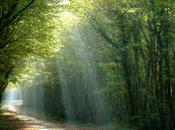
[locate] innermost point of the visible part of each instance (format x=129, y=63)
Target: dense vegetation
x=92, y=61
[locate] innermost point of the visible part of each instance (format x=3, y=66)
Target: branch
x=9, y=72
x=17, y=14
x=22, y=10
x=144, y=34
x=4, y=85
x=102, y=32
x=10, y=11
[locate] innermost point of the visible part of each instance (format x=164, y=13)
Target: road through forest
x=14, y=118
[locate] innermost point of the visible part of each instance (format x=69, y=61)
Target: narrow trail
x=13, y=118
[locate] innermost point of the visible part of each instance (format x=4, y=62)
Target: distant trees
x=142, y=35
x=70, y=83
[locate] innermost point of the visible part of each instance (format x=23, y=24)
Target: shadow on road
x=9, y=121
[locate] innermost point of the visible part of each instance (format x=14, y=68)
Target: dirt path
x=13, y=119
x=9, y=121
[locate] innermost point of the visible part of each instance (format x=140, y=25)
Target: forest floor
x=9, y=120
x=13, y=119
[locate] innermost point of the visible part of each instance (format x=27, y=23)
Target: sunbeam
x=87, y=64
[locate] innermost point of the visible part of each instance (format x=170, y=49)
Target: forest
x=102, y=64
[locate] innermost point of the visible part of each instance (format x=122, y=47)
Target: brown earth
x=10, y=120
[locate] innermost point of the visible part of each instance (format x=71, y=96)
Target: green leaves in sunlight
x=119, y=53
x=29, y=32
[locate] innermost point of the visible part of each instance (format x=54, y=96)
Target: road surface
x=30, y=122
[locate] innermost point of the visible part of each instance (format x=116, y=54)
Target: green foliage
x=30, y=33
x=142, y=35
x=128, y=43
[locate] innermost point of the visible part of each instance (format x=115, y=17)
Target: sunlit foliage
x=96, y=61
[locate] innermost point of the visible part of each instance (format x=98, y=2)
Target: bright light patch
x=66, y=14
x=64, y=2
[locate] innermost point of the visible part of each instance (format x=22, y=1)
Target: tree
x=10, y=12
x=26, y=30
x=142, y=38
